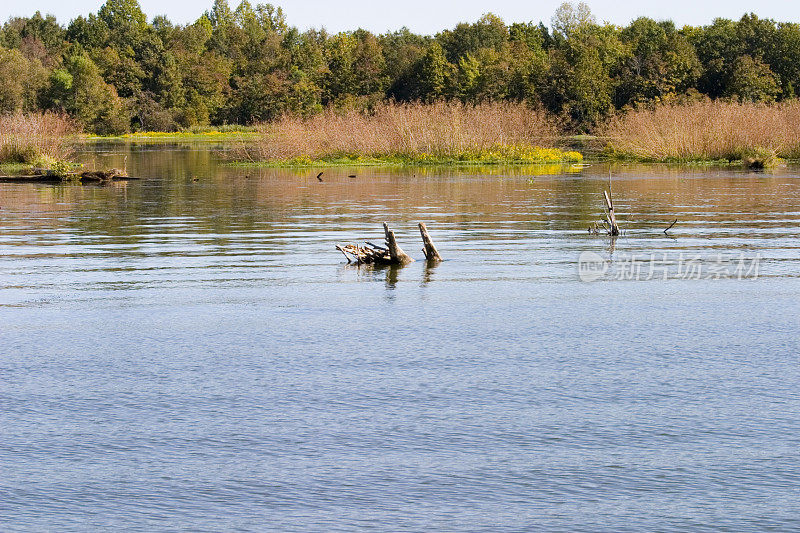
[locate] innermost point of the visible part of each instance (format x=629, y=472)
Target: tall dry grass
x=442, y=130
x=32, y=137
x=707, y=130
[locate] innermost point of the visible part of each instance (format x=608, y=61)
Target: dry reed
x=707, y=131
x=444, y=130
x=35, y=137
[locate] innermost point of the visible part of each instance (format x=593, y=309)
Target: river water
x=190, y=352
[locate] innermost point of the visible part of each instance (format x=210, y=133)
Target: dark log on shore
x=47, y=176
x=41, y=178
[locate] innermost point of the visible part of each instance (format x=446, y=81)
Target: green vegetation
x=115, y=71
x=178, y=136
x=495, y=155
x=12, y=168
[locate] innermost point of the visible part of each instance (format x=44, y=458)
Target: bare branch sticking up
x=395, y=252
x=612, y=220
x=429, y=249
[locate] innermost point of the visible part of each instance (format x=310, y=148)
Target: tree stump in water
x=391, y=254
x=430, y=251
x=398, y=256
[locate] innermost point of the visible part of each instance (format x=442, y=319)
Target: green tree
x=752, y=81
x=528, y=62
x=488, y=32
x=717, y=47
x=20, y=81
x=79, y=89
x=37, y=37
x=580, y=85
x=90, y=32
x=660, y=63
x=431, y=76
x=787, y=64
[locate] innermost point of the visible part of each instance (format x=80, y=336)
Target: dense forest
x=114, y=71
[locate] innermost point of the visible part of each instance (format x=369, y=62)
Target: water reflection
x=429, y=270
x=267, y=225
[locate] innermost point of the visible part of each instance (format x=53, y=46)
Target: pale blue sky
x=427, y=16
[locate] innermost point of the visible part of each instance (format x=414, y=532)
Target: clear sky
x=430, y=16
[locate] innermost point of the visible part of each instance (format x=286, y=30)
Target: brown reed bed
x=36, y=138
x=414, y=133
x=756, y=134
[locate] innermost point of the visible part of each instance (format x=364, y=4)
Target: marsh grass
x=39, y=139
x=443, y=132
x=707, y=131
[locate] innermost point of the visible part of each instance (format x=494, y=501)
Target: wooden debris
x=595, y=228
x=48, y=176
x=612, y=220
x=373, y=254
x=396, y=253
x=607, y=225
x=670, y=226
x=103, y=175
x=365, y=255
x=429, y=249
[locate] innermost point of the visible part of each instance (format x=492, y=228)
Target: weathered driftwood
x=372, y=254
x=607, y=225
x=365, y=255
x=429, y=249
x=396, y=253
x=612, y=220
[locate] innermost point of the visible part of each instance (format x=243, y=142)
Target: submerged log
x=373, y=254
x=429, y=249
x=103, y=175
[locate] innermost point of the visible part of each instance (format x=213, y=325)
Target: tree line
x=115, y=71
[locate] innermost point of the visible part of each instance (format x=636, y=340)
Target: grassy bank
x=13, y=168
x=756, y=135
x=222, y=134
x=36, y=139
x=411, y=134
